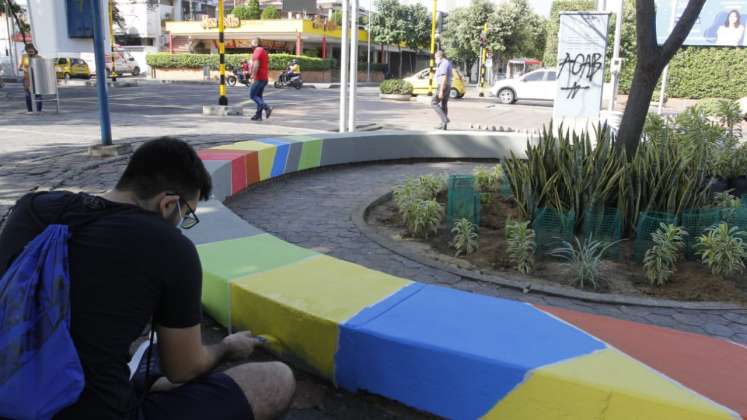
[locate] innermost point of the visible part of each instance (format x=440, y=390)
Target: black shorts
x=213, y=396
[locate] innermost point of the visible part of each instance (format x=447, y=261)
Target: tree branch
x=681, y=29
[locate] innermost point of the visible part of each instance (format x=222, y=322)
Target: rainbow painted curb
x=455, y=354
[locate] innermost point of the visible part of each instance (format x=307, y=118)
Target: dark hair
x=739, y=17
x=166, y=164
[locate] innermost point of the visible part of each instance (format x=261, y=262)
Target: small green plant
x=431, y=185
x=520, y=245
x=585, y=258
x=659, y=261
x=465, y=239
x=425, y=217
x=488, y=179
x=724, y=200
x=395, y=87
x=722, y=249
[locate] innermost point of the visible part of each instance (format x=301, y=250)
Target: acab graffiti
x=580, y=69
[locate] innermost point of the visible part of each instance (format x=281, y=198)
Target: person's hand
x=240, y=344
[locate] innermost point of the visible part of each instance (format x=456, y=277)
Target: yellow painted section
x=265, y=152
x=249, y=28
x=605, y=385
x=303, y=304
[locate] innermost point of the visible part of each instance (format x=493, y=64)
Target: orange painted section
x=252, y=164
x=714, y=368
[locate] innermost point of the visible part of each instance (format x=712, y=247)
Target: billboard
x=582, y=44
x=721, y=22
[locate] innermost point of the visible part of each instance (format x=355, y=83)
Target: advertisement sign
x=582, y=42
x=720, y=23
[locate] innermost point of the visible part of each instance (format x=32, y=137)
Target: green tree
x=461, y=37
x=337, y=17
x=515, y=30
x=248, y=12
x=652, y=58
x=270, y=12
x=553, y=25
x=388, y=25
x=417, y=28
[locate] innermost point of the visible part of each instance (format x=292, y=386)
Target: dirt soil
x=690, y=282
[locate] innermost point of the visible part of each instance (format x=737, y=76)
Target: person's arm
x=184, y=357
x=178, y=317
x=441, y=86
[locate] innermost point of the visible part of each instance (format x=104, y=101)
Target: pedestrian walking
x=443, y=80
x=260, y=72
x=25, y=67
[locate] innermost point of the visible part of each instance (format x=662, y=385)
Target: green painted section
x=227, y=261
x=311, y=153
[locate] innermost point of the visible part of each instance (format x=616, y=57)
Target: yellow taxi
x=67, y=68
x=419, y=83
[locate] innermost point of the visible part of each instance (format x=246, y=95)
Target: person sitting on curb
x=130, y=265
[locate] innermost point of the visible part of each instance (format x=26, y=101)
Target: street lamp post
x=353, y=62
x=344, y=67
x=368, y=66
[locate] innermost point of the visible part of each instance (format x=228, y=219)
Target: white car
x=535, y=85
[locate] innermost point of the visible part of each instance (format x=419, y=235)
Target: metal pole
x=481, y=64
x=432, y=62
x=344, y=67
x=98, y=48
x=616, y=65
x=368, y=55
x=222, y=99
x=353, y=63
x=665, y=76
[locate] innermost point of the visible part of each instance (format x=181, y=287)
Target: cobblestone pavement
x=314, y=211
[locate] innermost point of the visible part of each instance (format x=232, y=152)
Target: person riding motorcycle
x=293, y=70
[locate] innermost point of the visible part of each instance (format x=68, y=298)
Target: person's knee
x=286, y=381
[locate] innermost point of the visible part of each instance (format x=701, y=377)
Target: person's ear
x=166, y=203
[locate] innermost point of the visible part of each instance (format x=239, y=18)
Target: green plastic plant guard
x=740, y=219
x=463, y=200
x=695, y=222
x=648, y=223
x=744, y=201
x=552, y=227
x=505, y=188
x=603, y=224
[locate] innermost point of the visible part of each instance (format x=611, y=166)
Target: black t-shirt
x=127, y=265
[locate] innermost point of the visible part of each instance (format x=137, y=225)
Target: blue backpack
x=40, y=372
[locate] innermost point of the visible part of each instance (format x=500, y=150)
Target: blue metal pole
x=98, y=49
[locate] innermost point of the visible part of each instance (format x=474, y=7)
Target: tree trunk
x=639, y=98
x=400, y=62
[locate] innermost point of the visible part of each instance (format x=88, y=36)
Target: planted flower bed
x=583, y=215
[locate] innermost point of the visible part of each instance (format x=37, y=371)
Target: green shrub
x=247, y=12
x=726, y=74
x=659, y=262
x=520, y=245
x=585, y=258
x=270, y=12
x=425, y=217
x=409, y=196
x=723, y=250
x=465, y=239
x=488, y=179
x=724, y=200
x=277, y=61
x=395, y=87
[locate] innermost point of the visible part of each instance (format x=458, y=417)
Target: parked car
x=535, y=85
x=124, y=62
x=68, y=67
x=420, y=82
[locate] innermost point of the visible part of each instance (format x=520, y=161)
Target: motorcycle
x=283, y=81
x=237, y=76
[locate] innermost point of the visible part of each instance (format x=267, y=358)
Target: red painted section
x=711, y=367
x=238, y=165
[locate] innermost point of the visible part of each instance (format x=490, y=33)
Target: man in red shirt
x=260, y=71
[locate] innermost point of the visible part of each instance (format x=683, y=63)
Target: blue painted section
x=451, y=352
x=282, y=148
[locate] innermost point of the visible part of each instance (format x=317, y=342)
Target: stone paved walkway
x=314, y=210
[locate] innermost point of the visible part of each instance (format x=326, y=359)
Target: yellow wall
x=259, y=27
